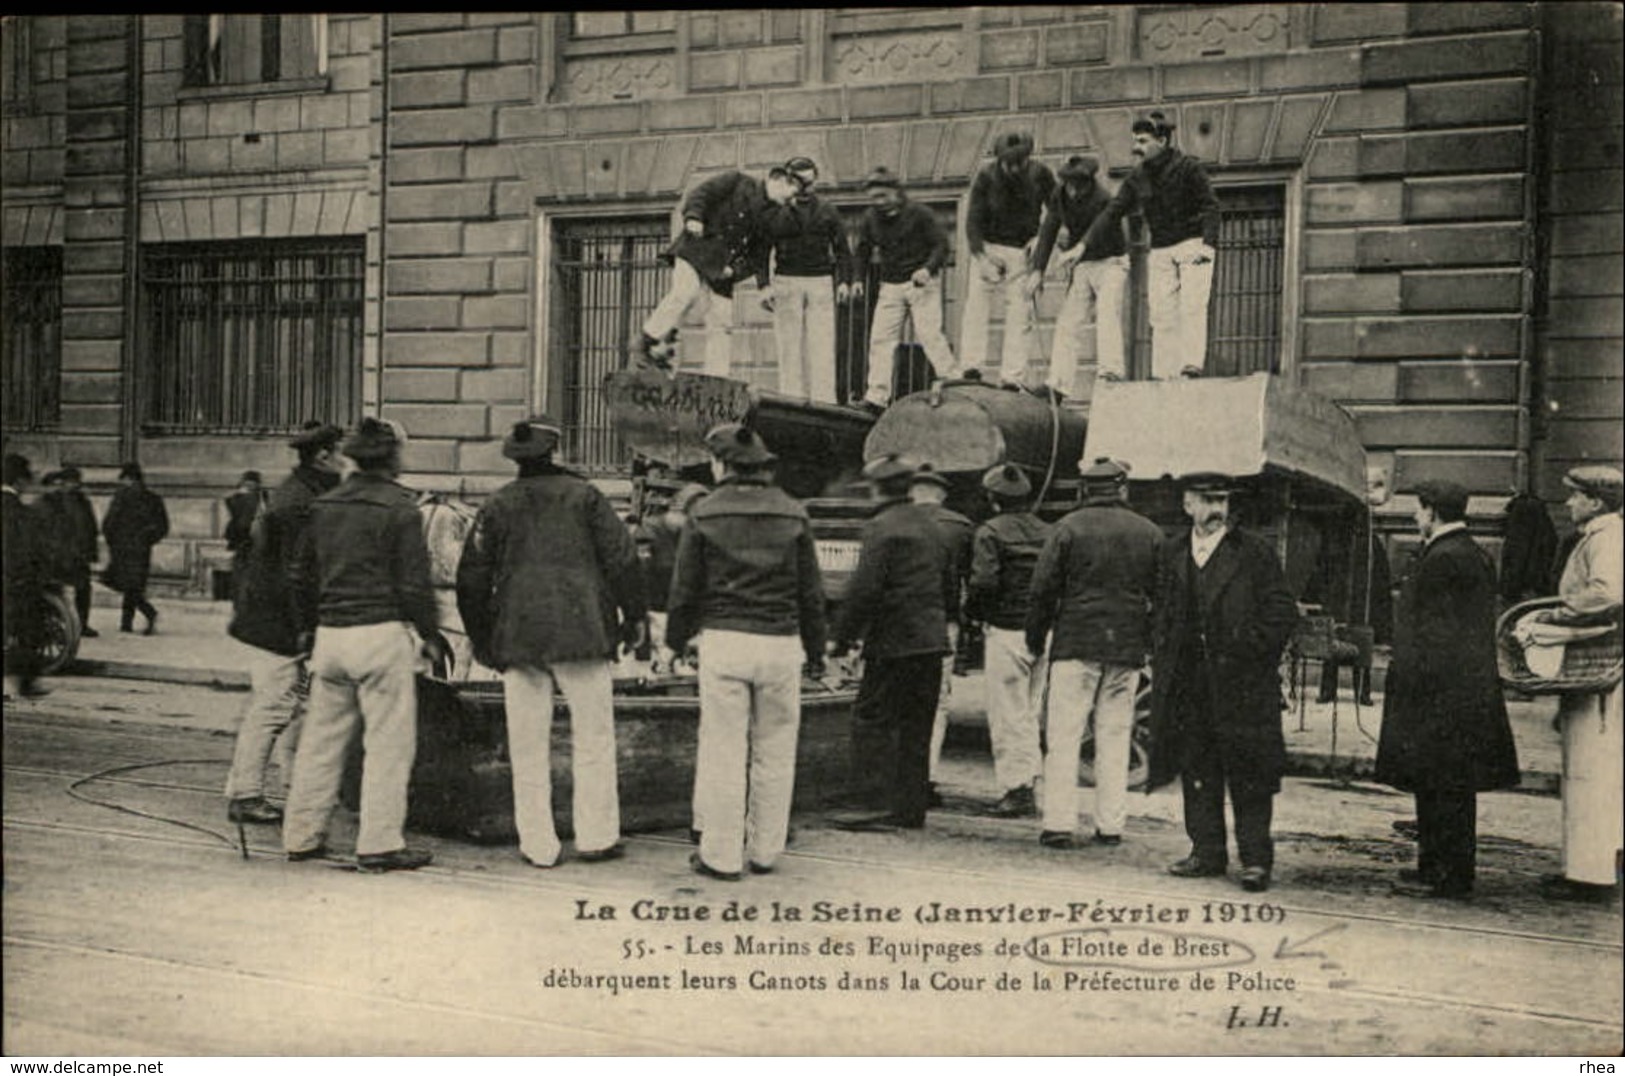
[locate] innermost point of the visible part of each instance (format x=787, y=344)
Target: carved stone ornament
x=604, y=79
x=881, y=58
x=1172, y=36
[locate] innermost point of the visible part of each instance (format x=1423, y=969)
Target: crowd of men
x=779, y=231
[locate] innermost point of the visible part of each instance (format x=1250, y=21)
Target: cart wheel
x=60, y=634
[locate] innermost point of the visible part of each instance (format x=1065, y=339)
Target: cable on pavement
x=73, y=791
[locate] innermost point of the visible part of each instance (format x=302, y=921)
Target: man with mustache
x=1172, y=191
x=1223, y=615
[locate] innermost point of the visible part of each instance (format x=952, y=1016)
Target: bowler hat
x=1207, y=482
x=881, y=176
x=1079, y=167
x=1014, y=146
x=1105, y=471
x=1448, y=499
x=890, y=468
x=373, y=441
x=1606, y=484
x=737, y=444
x=531, y=439
x=318, y=434
x=1006, y=480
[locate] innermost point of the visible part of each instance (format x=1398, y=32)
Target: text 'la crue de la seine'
x=1070, y=913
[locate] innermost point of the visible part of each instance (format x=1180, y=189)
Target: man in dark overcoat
x=262, y=615
x=1223, y=617
x=135, y=522
x=929, y=489
x=548, y=583
x=1445, y=734
x=25, y=558
x=896, y=603
x=74, y=536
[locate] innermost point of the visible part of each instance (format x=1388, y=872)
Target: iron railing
x=252, y=337
x=31, y=334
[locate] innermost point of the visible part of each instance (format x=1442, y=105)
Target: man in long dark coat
x=263, y=616
x=896, y=603
x=74, y=537
x=135, y=522
x=1223, y=616
x=25, y=561
x=548, y=582
x=1445, y=734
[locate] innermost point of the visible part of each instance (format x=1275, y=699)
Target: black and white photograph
x=1076, y=531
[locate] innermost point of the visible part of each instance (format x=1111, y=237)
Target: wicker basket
x=1589, y=665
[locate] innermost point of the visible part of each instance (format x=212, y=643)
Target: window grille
x=252, y=337
x=31, y=332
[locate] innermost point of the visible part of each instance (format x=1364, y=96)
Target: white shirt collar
x=11, y=490
x=1202, y=548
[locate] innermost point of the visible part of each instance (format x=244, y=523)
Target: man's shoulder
x=742, y=500
x=373, y=493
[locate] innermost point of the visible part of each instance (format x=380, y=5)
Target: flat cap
x=1207, y=482
x=1079, y=167
x=533, y=439
x=319, y=434
x=892, y=467
x=1606, y=484
x=802, y=168
x=1443, y=496
x=881, y=176
x=1006, y=480
x=732, y=442
x=1153, y=123
x=373, y=441
x=1105, y=471
x=1013, y=146
x=929, y=474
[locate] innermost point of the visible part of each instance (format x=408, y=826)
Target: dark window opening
x=252, y=337
x=31, y=334
x=230, y=49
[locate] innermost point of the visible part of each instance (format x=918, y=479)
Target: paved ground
x=149, y=933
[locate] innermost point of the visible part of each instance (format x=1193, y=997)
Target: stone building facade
x=452, y=219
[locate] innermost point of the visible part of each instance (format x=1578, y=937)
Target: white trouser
x=595, y=806
x=1095, y=296
x=1077, y=689
x=1020, y=313
x=745, y=772
x=1591, y=787
x=1177, y=293
x=1015, y=705
x=688, y=290
x=804, y=329
x=939, y=726
x=270, y=724
x=922, y=303
x=362, y=674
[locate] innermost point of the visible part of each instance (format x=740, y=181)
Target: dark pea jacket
x=733, y=207
x=262, y=612
x=902, y=588
x=1444, y=718
x=1094, y=584
x=549, y=573
x=26, y=568
x=74, y=535
x=135, y=522
x=363, y=559
x=1226, y=623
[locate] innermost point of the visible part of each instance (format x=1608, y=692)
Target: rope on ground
x=113, y=771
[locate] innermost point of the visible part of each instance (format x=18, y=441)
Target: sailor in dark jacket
x=74, y=537
x=748, y=591
x=1002, y=217
x=1223, y=615
x=896, y=604
x=908, y=249
x=720, y=245
x=1004, y=553
x=804, y=243
x=135, y=522
x=1445, y=734
x=26, y=560
x=242, y=508
x=1097, y=277
x=548, y=585
x=361, y=587
x=929, y=488
x=1093, y=588
x=1173, y=192
x=263, y=616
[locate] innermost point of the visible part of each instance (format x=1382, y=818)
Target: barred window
x=228, y=49
x=31, y=334
x=252, y=337
x=16, y=61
